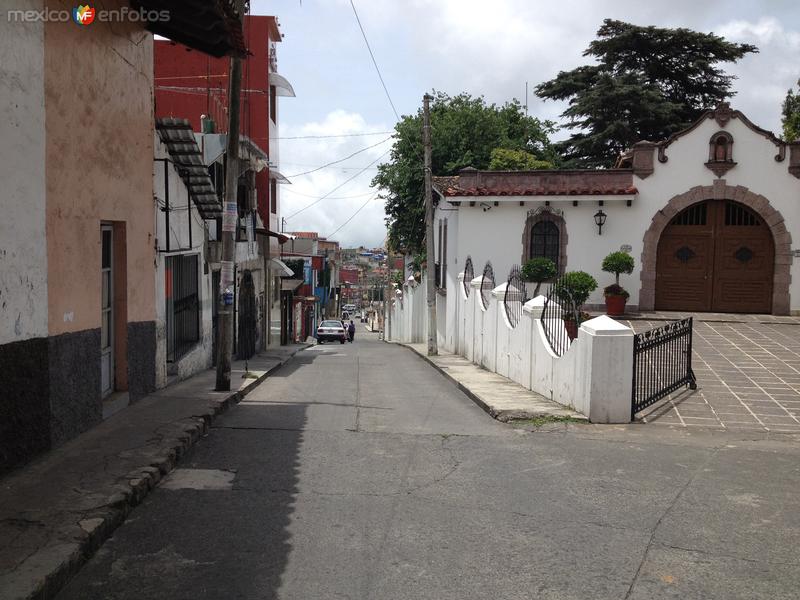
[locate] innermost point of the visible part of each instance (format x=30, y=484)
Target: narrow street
x=357, y=471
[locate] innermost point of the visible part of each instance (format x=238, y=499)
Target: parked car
x=331, y=331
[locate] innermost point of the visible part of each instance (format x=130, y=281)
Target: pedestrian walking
x=351, y=329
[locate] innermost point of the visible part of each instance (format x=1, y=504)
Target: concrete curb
x=62, y=562
x=504, y=416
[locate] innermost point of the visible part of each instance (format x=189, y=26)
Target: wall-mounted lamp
x=486, y=206
x=599, y=220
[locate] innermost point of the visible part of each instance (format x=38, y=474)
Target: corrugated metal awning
x=178, y=137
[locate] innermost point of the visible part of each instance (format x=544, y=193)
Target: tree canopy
x=791, y=115
x=647, y=83
x=464, y=132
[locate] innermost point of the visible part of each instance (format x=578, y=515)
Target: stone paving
x=748, y=375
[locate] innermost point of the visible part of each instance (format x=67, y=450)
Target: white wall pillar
x=608, y=369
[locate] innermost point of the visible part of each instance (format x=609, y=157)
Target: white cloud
x=763, y=78
x=301, y=155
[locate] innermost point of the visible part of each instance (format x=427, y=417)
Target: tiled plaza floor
x=748, y=377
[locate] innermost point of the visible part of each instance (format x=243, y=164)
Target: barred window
x=183, y=306
x=545, y=242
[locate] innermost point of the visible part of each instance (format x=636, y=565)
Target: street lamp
x=600, y=220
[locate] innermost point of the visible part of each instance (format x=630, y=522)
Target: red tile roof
x=537, y=183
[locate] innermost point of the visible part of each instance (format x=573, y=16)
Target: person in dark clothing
x=351, y=330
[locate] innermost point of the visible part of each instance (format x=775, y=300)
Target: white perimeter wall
x=593, y=376
x=23, y=245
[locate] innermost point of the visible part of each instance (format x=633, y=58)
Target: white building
x=708, y=214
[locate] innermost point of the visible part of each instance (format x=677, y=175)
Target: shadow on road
x=189, y=541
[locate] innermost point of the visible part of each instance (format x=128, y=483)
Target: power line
x=374, y=62
x=286, y=189
x=294, y=164
x=353, y=216
x=340, y=135
x=335, y=162
x=346, y=181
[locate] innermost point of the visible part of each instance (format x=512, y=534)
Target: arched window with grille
x=545, y=236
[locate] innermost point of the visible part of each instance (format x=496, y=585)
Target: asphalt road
x=359, y=472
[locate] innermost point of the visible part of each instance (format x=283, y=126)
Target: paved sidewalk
x=58, y=510
x=503, y=399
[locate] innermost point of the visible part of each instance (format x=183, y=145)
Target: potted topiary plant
x=616, y=296
x=537, y=270
x=573, y=290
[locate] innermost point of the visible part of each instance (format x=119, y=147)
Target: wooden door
x=744, y=261
x=685, y=263
x=716, y=255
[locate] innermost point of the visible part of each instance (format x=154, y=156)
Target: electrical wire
x=340, y=135
x=345, y=182
x=353, y=216
x=374, y=62
x=291, y=191
x=335, y=162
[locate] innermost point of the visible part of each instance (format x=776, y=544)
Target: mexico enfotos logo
x=85, y=15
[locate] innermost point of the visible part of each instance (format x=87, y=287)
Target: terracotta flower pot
x=615, y=305
x=571, y=325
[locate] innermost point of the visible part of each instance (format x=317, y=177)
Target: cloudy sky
x=484, y=48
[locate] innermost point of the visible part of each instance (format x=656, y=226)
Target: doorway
x=716, y=255
x=107, y=311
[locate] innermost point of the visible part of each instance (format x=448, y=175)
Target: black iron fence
x=469, y=275
x=662, y=363
x=561, y=318
x=515, y=296
x=487, y=284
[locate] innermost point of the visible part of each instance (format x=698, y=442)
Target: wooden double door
x=718, y=256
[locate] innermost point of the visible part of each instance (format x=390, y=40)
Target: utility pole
x=433, y=347
x=229, y=222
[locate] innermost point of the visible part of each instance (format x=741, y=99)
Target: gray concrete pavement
x=502, y=398
x=56, y=511
x=359, y=472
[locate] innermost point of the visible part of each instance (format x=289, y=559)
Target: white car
x=331, y=331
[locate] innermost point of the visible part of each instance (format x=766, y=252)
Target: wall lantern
x=599, y=220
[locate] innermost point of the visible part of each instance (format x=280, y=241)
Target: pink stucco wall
x=99, y=164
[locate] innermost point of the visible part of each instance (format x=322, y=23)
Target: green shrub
x=538, y=270
x=616, y=290
x=577, y=286
x=618, y=262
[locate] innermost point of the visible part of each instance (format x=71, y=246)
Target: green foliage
x=505, y=159
x=577, y=286
x=647, y=83
x=464, y=131
x=296, y=265
x=538, y=270
x=618, y=262
x=616, y=289
x=791, y=115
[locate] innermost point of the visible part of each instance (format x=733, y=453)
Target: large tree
x=464, y=132
x=791, y=115
x=647, y=83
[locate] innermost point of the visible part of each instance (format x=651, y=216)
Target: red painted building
x=190, y=84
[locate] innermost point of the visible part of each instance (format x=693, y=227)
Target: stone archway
x=720, y=191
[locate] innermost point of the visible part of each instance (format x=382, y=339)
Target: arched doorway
x=715, y=255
